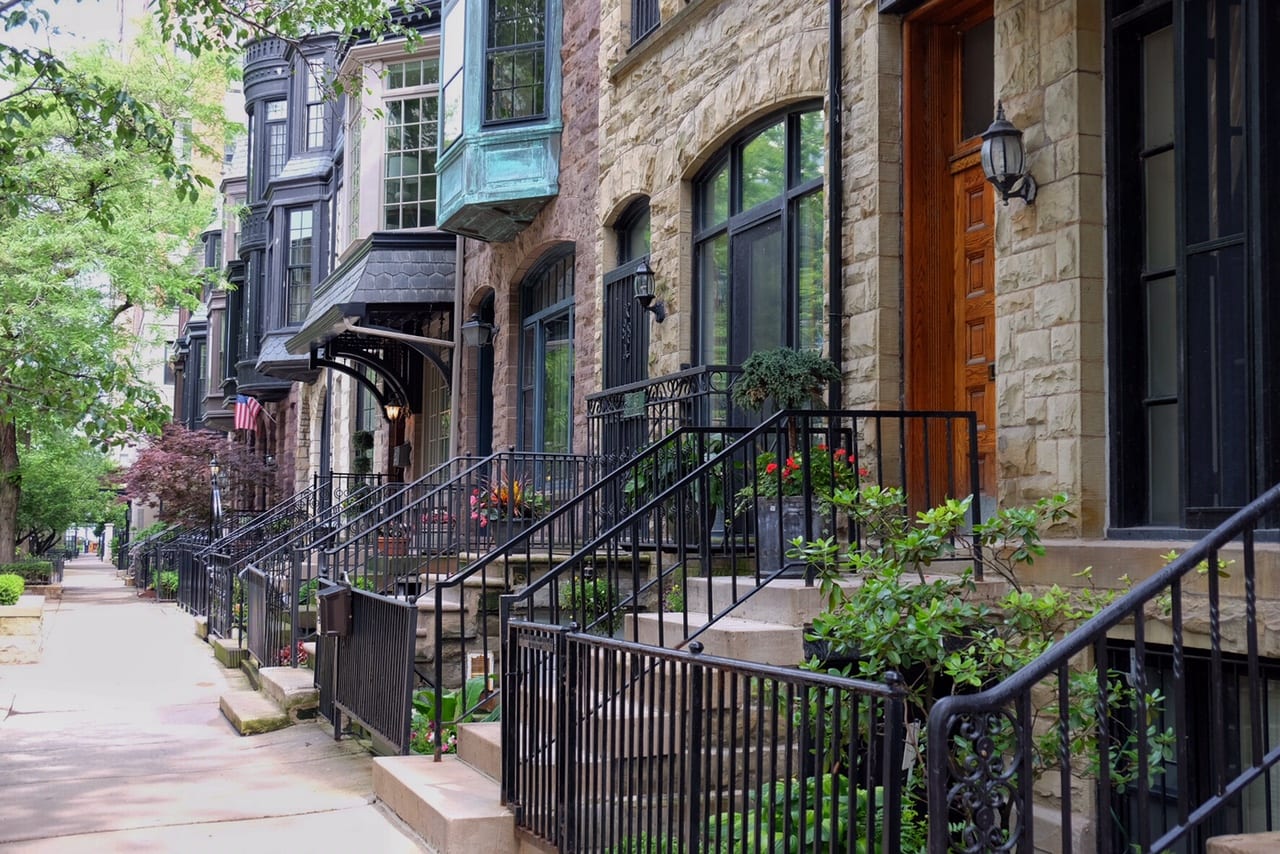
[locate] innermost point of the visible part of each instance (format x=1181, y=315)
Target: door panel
x=974, y=242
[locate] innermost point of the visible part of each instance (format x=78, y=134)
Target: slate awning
x=389, y=269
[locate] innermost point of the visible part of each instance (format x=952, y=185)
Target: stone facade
x=570, y=218
x=715, y=66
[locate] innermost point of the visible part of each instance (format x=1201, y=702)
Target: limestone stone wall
x=1050, y=292
x=667, y=106
x=569, y=218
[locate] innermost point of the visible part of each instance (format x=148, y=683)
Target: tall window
x=516, y=60
x=626, y=350
x=277, y=138
x=409, y=178
x=758, y=241
x=299, y=275
x=451, y=62
x=1191, y=361
x=546, y=356
x=315, y=105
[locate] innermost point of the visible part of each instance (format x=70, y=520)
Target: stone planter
x=771, y=547
x=393, y=546
x=21, y=630
x=503, y=531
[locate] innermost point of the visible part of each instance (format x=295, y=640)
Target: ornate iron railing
x=627, y=418
x=1135, y=742
x=616, y=746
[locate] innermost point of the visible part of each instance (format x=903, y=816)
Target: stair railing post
x=694, y=753
x=566, y=737
x=295, y=583
x=894, y=746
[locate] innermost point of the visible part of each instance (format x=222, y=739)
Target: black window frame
x=492, y=51
x=782, y=207
x=288, y=286
x=546, y=295
x=1258, y=427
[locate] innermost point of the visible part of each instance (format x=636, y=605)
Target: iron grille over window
x=644, y=18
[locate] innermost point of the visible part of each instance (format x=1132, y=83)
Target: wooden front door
x=949, y=238
x=975, y=305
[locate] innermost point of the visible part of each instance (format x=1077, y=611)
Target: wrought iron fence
x=470, y=508
x=373, y=674
x=697, y=504
x=627, y=418
x=1148, y=764
x=193, y=578
x=615, y=746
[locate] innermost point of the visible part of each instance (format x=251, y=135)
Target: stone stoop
x=480, y=746
x=1244, y=843
x=229, y=652
x=292, y=689
x=251, y=713
x=729, y=637
x=455, y=808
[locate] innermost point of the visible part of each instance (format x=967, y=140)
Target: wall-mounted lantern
x=643, y=279
x=1004, y=160
x=478, y=333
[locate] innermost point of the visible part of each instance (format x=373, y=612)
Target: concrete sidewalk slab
x=114, y=741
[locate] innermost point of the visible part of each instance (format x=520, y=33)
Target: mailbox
x=335, y=611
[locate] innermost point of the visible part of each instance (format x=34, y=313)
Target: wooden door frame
x=930, y=130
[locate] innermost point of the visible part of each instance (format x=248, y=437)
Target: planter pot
x=393, y=546
x=503, y=531
x=785, y=513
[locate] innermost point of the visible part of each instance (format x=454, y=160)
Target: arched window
x=626, y=327
x=758, y=220
x=546, y=355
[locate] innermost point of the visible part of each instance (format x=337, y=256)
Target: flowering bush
x=422, y=737
x=828, y=471
x=282, y=656
x=506, y=498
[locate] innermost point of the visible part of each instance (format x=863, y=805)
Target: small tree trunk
x=10, y=490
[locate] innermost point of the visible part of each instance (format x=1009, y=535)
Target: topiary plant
x=11, y=587
x=790, y=378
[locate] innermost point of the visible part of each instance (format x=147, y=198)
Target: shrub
x=593, y=601
x=11, y=587
x=30, y=571
x=168, y=584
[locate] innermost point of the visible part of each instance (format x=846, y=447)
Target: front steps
x=455, y=804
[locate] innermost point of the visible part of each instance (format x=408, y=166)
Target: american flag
x=247, y=411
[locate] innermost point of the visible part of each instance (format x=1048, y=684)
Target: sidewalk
x=114, y=742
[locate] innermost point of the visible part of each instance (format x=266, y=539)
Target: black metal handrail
x=890, y=448
x=617, y=746
x=982, y=761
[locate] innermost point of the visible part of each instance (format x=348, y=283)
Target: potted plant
x=506, y=507
x=790, y=379
x=393, y=540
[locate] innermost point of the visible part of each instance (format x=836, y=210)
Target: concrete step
x=480, y=746
x=784, y=600
x=455, y=808
x=251, y=713
x=292, y=689
x=729, y=637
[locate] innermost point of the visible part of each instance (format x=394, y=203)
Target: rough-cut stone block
x=228, y=652
x=452, y=806
x=291, y=688
x=251, y=713
x=202, y=628
x=1244, y=843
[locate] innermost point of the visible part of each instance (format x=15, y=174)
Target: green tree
x=100, y=239
x=65, y=481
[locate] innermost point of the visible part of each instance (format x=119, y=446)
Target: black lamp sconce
x=478, y=333
x=1004, y=160
x=643, y=278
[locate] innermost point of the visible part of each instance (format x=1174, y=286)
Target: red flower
x=771, y=468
